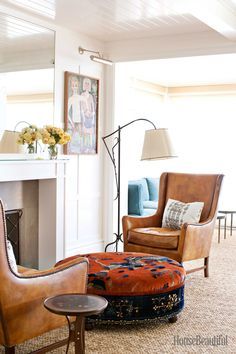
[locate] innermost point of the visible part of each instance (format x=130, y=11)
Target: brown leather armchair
x=22, y=314
x=193, y=241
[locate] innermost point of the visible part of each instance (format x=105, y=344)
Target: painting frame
x=81, y=107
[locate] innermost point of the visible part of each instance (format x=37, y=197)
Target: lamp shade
x=8, y=143
x=157, y=145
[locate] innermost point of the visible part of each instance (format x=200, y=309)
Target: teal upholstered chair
x=143, y=196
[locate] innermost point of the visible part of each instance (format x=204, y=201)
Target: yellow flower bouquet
x=30, y=135
x=52, y=136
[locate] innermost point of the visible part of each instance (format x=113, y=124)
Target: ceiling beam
x=216, y=14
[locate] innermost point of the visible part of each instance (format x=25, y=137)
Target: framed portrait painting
x=81, y=113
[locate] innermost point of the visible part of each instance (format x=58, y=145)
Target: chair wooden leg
x=10, y=350
x=206, y=265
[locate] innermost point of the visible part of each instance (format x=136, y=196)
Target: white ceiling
x=117, y=20
x=110, y=20
x=17, y=35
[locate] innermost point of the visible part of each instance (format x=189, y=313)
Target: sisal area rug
x=206, y=325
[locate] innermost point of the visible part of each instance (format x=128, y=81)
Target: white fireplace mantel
x=51, y=175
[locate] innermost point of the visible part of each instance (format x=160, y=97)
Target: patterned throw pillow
x=11, y=257
x=177, y=213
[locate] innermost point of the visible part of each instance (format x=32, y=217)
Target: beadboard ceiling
x=111, y=20
x=114, y=21
x=16, y=34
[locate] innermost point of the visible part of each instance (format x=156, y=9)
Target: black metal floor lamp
x=156, y=145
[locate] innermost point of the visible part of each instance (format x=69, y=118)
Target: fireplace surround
x=13, y=230
x=41, y=184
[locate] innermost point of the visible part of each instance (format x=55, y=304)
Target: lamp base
x=117, y=239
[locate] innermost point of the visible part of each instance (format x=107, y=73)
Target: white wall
x=200, y=123
x=204, y=135
x=136, y=99
x=86, y=232
x=88, y=198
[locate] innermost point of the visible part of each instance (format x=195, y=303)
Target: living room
x=86, y=213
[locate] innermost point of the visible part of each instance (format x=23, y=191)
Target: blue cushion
x=147, y=212
x=153, y=187
x=143, y=182
x=135, y=203
x=150, y=204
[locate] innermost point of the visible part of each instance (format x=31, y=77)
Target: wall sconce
x=98, y=58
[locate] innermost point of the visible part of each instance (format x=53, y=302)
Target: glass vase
x=31, y=149
x=53, y=152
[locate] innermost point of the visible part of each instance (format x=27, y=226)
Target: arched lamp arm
x=125, y=125
x=111, y=154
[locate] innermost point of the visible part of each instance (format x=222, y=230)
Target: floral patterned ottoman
x=138, y=286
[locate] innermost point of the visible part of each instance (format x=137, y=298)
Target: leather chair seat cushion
x=156, y=237
x=130, y=273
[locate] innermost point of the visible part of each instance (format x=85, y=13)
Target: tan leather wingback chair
x=193, y=241
x=22, y=314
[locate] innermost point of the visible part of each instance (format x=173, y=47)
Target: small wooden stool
x=79, y=306
x=231, y=213
x=219, y=218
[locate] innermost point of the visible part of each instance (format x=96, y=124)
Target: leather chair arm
x=197, y=239
x=68, y=277
x=33, y=273
x=33, y=288
x=199, y=224
x=25, y=294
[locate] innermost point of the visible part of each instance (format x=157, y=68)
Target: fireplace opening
x=13, y=230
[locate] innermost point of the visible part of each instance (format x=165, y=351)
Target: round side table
x=77, y=305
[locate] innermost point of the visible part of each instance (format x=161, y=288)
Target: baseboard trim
x=91, y=247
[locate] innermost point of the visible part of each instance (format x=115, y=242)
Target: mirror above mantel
x=27, y=56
